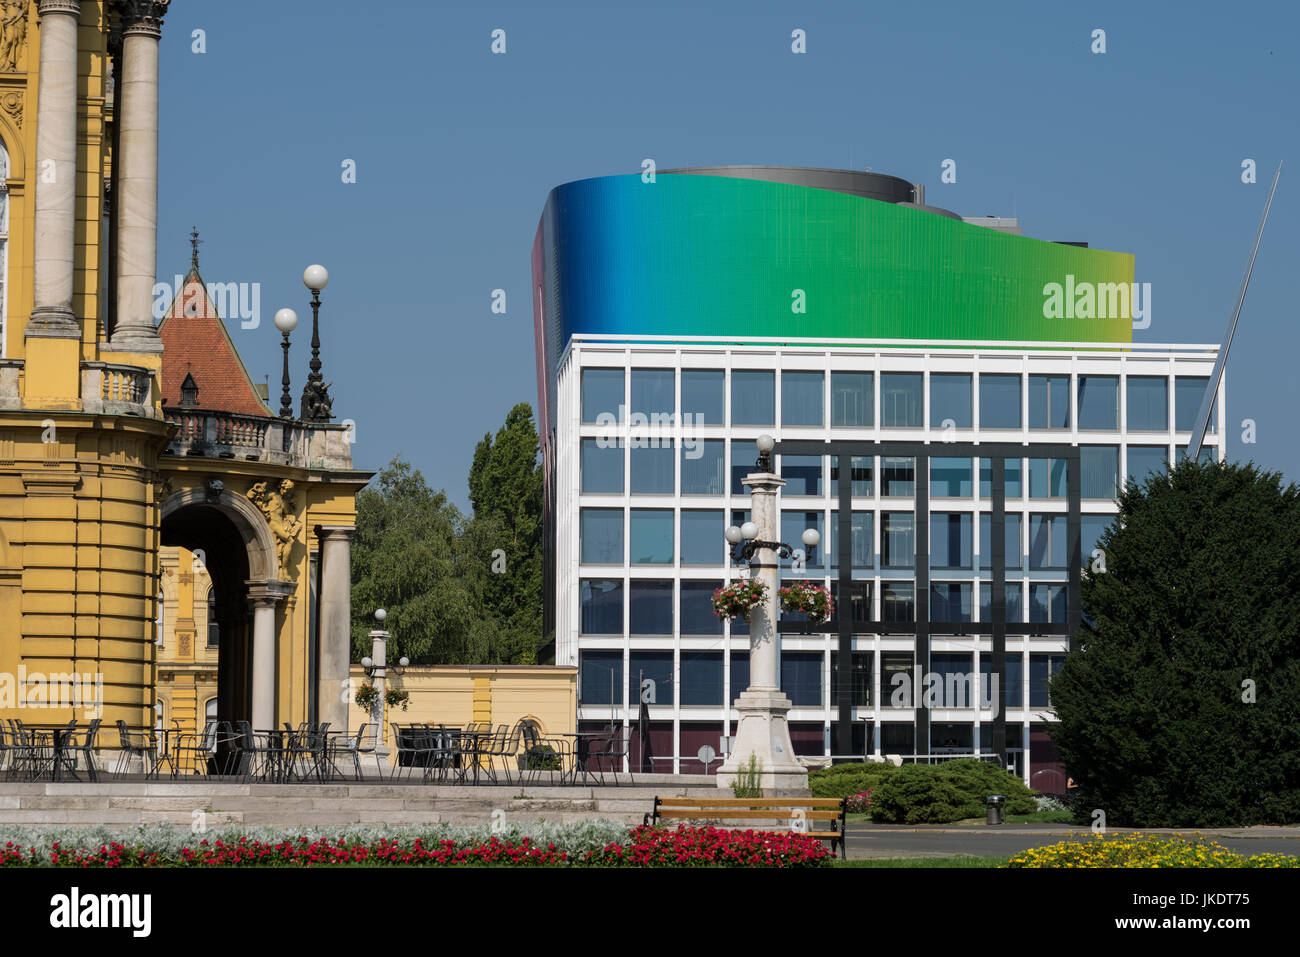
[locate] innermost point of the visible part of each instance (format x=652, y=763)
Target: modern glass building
x=955, y=426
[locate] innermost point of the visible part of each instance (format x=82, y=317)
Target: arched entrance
x=230, y=538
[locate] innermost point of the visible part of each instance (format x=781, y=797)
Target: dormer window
x=189, y=392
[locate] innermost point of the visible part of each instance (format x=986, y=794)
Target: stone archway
x=231, y=538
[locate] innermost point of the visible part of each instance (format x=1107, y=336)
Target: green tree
x=1178, y=707
x=504, y=538
x=407, y=558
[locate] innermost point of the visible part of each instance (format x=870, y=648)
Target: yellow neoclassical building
x=141, y=471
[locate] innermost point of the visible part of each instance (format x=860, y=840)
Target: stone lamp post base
x=763, y=732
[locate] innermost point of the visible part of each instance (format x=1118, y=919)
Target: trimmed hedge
x=925, y=793
x=846, y=780
x=942, y=793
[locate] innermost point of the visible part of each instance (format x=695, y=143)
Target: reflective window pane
x=802, y=474
x=898, y=602
x=853, y=680
x=898, y=540
x=999, y=401
x=1049, y=401
x=701, y=539
x=1090, y=530
x=1099, y=402
x=1047, y=542
x=702, y=467
x=652, y=470
x=901, y=400
x=1147, y=403
x=703, y=399
x=602, y=395
x=697, y=617
x=1011, y=477
x=950, y=540
x=1015, y=611
x=860, y=526
x=898, y=476
x=950, y=478
x=1047, y=478
x=652, y=671
x=950, y=400
x=600, y=677
x=1099, y=471
x=801, y=678
x=1144, y=460
x=600, y=531
x=1189, y=392
x=701, y=678
x=650, y=607
x=744, y=455
x=801, y=398
x=753, y=397
x=793, y=525
x=1046, y=603
x=852, y=399
x=860, y=471
x=602, y=466
x=651, y=536
x=1041, y=669
x=950, y=601
x=652, y=394
x=1011, y=533
x=600, y=606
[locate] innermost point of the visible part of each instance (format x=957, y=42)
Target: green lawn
x=961, y=860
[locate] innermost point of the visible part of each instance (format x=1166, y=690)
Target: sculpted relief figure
x=13, y=33
x=278, y=508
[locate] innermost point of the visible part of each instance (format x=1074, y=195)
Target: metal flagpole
x=1202, y=424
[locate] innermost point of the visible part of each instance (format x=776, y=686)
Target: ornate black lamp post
x=316, y=403
x=286, y=320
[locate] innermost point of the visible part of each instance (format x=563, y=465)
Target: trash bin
x=995, y=805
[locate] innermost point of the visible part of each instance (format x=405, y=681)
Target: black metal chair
x=611, y=747
x=538, y=747
x=133, y=744
x=86, y=749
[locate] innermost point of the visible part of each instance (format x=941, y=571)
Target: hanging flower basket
x=395, y=696
x=367, y=696
x=813, y=600
x=737, y=599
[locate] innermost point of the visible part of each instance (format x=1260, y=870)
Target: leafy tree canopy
x=1178, y=706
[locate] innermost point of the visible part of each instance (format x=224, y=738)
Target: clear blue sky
x=1138, y=149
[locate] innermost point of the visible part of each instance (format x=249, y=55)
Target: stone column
x=136, y=204
x=762, y=731
x=379, y=713
x=56, y=172
x=334, y=626
x=265, y=596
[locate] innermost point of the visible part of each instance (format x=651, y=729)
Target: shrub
x=951, y=791
x=540, y=757
x=846, y=780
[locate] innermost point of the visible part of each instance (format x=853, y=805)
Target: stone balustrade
x=207, y=433
x=110, y=388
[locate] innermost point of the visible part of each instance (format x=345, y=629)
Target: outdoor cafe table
x=581, y=749
x=59, y=734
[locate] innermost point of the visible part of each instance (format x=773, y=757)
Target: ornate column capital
x=58, y=6
x=141, y=17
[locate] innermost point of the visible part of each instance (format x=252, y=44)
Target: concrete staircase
x=123, y=804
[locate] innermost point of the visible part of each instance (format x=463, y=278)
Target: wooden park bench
x=799, y=814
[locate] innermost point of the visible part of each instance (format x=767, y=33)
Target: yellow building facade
x=108, y=461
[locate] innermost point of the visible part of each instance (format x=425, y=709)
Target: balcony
x=109, y=388
x=212, y=434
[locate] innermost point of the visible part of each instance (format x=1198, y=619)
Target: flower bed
x=642, y=847
x=1141, y=850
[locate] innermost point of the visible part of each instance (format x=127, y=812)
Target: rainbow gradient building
x=955, y=406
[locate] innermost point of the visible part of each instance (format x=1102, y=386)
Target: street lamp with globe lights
x=286, y=320
x=316, y=403
x=763, y=734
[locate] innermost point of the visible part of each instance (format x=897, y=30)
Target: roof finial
x=194, y=241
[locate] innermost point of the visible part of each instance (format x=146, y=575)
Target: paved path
x=874, y=840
